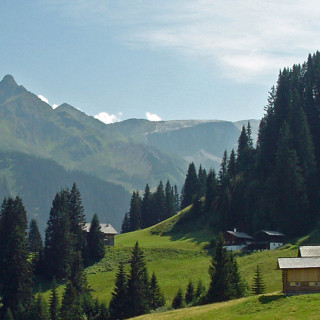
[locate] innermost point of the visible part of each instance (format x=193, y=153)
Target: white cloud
x=153, y=117
x=43, y=98
x=107, y=118
x=244, y=40
x=54, y=106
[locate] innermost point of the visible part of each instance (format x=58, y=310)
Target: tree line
x=275, y=184
x=152, y=207
x=66, y=251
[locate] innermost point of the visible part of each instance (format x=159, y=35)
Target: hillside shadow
x=271, y=298
x=194, y=230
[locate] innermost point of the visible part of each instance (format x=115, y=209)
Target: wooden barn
x=108, y=232
x=236, y=240
x=300, y=275
x=268, y=240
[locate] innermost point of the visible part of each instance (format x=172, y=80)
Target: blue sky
x=156, y=59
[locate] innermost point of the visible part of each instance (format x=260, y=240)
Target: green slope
x=176, y=254
x=265, y=307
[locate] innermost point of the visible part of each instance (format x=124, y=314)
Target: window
x=294, y=284
x=314, y=284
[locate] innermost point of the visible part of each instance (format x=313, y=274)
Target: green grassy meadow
x=175, y=252
x=265, y=307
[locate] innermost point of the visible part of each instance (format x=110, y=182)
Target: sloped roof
x=106, y=228
x=298, y=263
x=242, y=235
x=272, y=233
x=309, y=251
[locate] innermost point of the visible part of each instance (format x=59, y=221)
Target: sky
x=156, y=59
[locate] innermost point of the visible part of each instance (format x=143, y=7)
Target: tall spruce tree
x=54, y=306
x=96, y=245
x=77, y=220
x=119, y=299
x=147, y=218
x=190, y=187
x=177, y=301
x=135, y=212
x=35, y=244
x=226, y=282
x=169, y=201
x=138, y=284
x=15, y=275
x=189, y=296
x=155, y=295
x=58, y=250
x=125, y=226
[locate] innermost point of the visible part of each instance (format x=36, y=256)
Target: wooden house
x=108, y=232
x=267, y=240
x=300, y=275
x=236, y=240
x=309, y=251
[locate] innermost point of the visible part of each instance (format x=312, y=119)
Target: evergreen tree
x=176, y=199
x=169, y=201
x=135, y=211
x=211, y=191
x=232, y=165
x=202, y=179
x=138, y=284
x=15, y=275
x=35, y=244
x=125, y=227
x=190, y=295
x=76, y=292
x=258, y=286
x=58, y=251
x=96, y=244
x=155, y=295
x=226, y=282
x=190, y=187
x=177, y=301
x=39, y=310
x=159, y=203
x=54, y=302
x=147, y=219
x=200, y=290
x=77, y=220
x=118, y=302
x=288, y=189
x=71, y=305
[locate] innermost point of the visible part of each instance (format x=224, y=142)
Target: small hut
x=300, y=275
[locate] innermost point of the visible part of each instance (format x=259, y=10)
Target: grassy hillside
x=263, y=307
x=175, y=252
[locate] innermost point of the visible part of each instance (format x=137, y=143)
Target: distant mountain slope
x=78, y=141
x=38, y=180
x=200, y=141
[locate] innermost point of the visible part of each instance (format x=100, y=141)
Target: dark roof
x=298, y=263
x=272, y=233
x=105, y=228
x=242, y=235
x=309, y=251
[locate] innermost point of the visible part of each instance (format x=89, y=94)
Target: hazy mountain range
x=130, y=153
